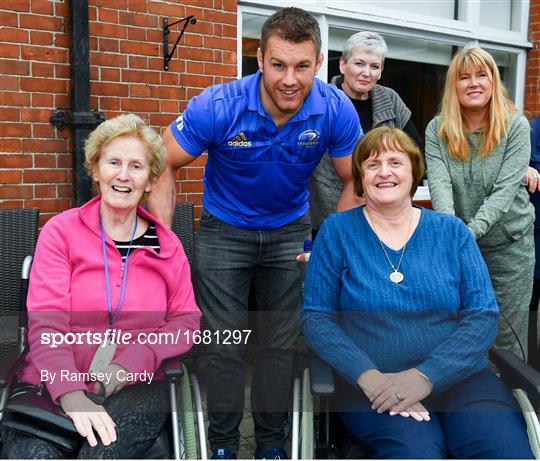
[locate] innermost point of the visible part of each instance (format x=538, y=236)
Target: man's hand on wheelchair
x=398, y=393
x=89, y=417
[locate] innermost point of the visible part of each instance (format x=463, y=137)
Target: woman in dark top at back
x=361, y=66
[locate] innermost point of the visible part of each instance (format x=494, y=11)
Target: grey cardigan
x=325, y=186
x=487, y=194
x=387, y=107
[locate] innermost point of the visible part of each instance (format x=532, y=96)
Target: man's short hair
x=292, y=25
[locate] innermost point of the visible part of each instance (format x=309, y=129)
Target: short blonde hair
x=126, y=125
x=452, y=129
x=380, y=140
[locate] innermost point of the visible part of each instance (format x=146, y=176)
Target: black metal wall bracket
x=166, y=31
x=62, y=118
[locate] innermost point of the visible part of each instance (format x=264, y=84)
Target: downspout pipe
x=80, y=97
x=80, y=118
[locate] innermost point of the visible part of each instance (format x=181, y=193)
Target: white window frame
x=469, y=28
x=452, y=32
x=486, y=31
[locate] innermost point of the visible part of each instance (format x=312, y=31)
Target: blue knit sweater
x=441, y=319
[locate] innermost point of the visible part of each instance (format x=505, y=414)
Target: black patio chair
x=18, y=235
x=183, y=227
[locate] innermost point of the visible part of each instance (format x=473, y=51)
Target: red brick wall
x=126, y=59
x=532, y=88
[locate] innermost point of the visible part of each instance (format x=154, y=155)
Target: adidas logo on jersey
x=180, y=122
x=239, y=140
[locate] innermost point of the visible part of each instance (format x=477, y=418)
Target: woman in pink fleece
x=110, y=298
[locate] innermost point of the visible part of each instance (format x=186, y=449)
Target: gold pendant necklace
x=395, y=276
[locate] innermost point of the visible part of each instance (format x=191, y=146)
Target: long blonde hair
x=452, y=129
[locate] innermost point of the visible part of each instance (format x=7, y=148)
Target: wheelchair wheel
x=188, y=417
x=307, y=447
x=533, y=426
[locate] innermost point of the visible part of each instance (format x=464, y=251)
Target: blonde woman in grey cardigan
x=361, y=66
x=477, y=153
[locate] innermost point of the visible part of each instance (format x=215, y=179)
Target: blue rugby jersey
x=256, y=176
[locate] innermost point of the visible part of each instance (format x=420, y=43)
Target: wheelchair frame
x=319, y=381
x=184, y=391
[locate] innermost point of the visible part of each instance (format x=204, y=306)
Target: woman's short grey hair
x=366, y=39
x=126, y=125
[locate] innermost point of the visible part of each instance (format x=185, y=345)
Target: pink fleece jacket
x=67, y=294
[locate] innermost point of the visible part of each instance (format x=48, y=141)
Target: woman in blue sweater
x=399, y=301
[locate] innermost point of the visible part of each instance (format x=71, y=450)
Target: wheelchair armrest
x=322, y=377
x=14, y=357
x=517, y=374
x=9, y=364
x=173, y=369
x=27, y=264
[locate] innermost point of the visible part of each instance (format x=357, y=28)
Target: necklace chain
x=395, y=269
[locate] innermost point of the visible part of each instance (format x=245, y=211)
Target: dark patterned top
x=148, y=239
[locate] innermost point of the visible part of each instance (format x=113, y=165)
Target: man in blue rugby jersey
x=264, y=134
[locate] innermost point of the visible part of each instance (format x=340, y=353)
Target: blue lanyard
x=112, y=318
